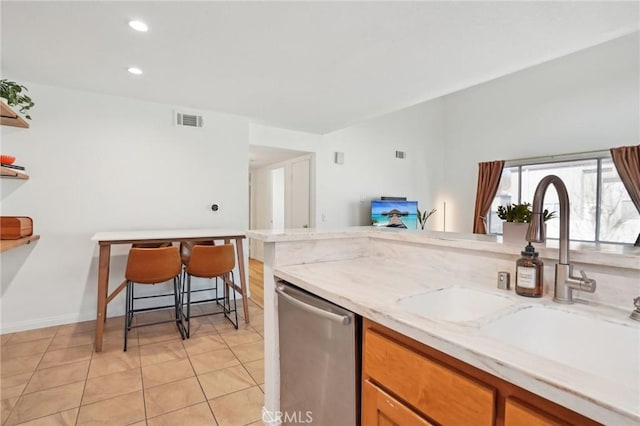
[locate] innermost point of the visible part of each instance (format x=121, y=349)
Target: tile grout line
x=144, y=399
x=86, y=379
x=30, y=378
x=198, y=378
x=217, y=332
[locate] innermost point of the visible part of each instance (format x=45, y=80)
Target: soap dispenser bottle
x=529, y=273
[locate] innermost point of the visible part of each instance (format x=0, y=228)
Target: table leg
x=243, y=280
x=103, y=288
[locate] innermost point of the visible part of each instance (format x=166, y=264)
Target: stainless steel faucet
x=565, y=281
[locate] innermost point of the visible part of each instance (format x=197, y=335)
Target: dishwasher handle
x=344, y=319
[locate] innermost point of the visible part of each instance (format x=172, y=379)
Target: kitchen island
x=370, y=271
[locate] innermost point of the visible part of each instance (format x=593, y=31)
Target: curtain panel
x=488, y=180
x=627, y=161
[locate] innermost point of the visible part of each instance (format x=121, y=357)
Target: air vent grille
x=189, y=120
x=401, y=155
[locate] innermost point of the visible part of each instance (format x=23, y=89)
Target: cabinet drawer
x=381, y=409
x=442, y=394
x=519, y=414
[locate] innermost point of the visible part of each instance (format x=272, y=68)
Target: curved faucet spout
x=536, y=232
x=565, y=282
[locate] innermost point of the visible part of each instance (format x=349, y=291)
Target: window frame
x=598, y=156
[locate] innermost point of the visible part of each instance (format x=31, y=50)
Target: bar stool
x=152, y=266
x=212, y=261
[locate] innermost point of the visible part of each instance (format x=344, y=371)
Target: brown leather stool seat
x=153, y=266
x=212, y=261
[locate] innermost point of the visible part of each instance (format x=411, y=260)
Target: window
x=600, y=207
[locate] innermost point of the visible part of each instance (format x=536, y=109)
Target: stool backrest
x=153, y=265
x=187, y=246
x=211, y=261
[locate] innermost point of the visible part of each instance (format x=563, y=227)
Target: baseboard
x=113, y=310
x=32, y=324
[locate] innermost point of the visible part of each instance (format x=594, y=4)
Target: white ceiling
x=311, y=66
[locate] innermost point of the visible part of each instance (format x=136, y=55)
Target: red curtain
x=488, y=180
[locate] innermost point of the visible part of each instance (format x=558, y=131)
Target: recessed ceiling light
x=135, y=70
x=139, y=26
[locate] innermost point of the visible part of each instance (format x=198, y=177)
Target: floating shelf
x=6, y=173
x=8, y=117
x=6, y=245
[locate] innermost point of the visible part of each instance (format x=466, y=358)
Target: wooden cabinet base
x=444, y=390
x=381, y=409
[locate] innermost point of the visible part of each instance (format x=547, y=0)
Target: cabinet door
x=519, y=414
x=441, y=393
x=381, y=409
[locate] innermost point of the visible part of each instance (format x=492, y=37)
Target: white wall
x=585, y=101
x=100, y=163
x=370, y=169
x=582, y=102
x=277, y=137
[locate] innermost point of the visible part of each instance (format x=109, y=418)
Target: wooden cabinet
x=405, y=382
x=381, y=409
x=443, y=394
x=518, y=413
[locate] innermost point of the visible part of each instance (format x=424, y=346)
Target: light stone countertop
x=616, y=255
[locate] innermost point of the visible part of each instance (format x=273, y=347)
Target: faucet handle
x=587, y=284
x=636, y=303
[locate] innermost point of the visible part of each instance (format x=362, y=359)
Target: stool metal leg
x=127, y=309
x=188, y=305
x=178, y=306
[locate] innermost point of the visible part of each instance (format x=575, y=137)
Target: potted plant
x=516, y=221
x=422, y=217
x=13, y=93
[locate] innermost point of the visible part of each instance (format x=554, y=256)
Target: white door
x=300, y=188
x=277, y=199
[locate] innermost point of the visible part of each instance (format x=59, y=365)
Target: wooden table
x=107, y=239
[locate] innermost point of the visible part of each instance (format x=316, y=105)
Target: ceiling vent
x=189, y=120
x=401, y=155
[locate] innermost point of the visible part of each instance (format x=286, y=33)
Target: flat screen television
x=394, y=213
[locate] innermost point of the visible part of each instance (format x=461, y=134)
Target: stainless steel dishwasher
x=319, y=359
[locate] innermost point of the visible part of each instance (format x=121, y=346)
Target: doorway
x=280, y=191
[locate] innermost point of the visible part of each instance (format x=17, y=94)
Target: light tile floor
x=52, y=376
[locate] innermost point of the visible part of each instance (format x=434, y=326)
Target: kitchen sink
x=606, y=349
x=455, y=304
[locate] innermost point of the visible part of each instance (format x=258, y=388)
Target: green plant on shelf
x=13, y=93
x=521, y=213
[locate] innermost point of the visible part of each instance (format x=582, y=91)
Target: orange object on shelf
x=7, y=159
x=15, y=227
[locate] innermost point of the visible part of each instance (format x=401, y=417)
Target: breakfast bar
x=106, y=239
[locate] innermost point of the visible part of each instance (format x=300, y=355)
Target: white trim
x=269, y=418
x=588, y=155
x=33, y=324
